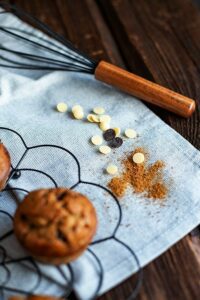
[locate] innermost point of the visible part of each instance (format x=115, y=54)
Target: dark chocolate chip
x=61, y=196
x=74, y=228
x=61, y=236
x=32, y=226
x=116, y=142
x=109, y=135
x=24, y=217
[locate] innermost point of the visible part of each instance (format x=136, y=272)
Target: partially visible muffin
x=34, y=298
x=55, y=225
x=5, y=165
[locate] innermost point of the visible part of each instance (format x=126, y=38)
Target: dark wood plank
x=76, y=20
x=158, y=40
x=165, y=36
x=174, y=275
x=111, y=47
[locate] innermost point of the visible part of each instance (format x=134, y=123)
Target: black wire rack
x=28, y=261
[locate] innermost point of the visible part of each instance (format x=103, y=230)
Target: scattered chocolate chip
x=109, y=135
x=116, y=142
x=104, y=149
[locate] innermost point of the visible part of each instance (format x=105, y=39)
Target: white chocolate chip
x=130, y=133
x=89, y=118
x=138, y=158
x=99, y=110
x=95, y=118
x=61, y=107
x=79, y=114
x=104, y=126
x=105, y=118
x=96, y=140
x=77, y=108
x=112, y=169
x=104, y=149
x=117, y=131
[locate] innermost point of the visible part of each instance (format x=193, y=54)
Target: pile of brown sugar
x=143, y=178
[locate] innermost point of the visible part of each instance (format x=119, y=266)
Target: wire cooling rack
x=68, y=281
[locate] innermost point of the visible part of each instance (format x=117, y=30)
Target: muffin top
x=55, y=223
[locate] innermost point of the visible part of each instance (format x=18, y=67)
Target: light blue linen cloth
x=148, y=227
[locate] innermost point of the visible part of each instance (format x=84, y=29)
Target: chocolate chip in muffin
x=61, y=236
x=61, y=196
x=55, y=225
x=23, y=217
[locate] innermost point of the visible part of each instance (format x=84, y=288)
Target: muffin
x=33, y=298
x=55, y=225
x=5, y=165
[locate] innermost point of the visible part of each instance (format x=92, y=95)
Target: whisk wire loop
x=70, y=59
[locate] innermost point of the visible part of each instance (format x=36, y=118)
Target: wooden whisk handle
x=144, y=89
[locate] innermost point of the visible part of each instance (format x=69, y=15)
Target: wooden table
x=159, y=40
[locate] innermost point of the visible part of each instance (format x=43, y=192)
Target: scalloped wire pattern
x=15, y=174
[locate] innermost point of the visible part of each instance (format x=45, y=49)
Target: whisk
x=59, y=54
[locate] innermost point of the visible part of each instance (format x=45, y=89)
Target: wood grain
x=164, y=34
x=144, y=89
x=159, y=40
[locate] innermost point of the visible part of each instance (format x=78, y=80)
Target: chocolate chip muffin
x=34, y=298
x=55, y=225
x=5, y=165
